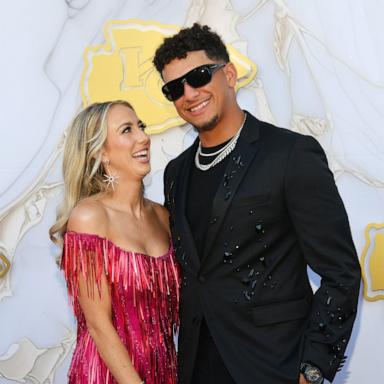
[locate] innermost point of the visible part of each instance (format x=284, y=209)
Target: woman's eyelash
x=141, y=125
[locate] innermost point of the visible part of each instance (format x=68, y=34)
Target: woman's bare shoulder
x=88, y=216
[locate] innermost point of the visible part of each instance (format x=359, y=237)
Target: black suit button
x=202, y=279
x=196, y=320
x=213, y=220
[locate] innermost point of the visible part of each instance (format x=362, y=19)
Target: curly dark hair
x=196, y=38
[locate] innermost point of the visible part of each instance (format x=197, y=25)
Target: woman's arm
x=97, y=309
x=97, y=313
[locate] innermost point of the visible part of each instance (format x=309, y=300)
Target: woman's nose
x=142, y=137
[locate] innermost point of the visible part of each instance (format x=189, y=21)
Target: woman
x=117, y=257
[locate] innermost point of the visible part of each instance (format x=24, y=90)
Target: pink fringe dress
x=145, y=298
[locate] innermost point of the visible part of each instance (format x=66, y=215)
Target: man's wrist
x=311, y=373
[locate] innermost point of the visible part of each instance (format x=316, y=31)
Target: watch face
x=313, y=374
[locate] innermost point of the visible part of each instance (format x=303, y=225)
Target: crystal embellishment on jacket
x=145, y=297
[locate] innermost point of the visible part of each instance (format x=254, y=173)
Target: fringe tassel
x=145, y=298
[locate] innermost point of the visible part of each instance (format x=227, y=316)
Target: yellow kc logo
x=372, y=262
x=5, y=265
x=122, y=68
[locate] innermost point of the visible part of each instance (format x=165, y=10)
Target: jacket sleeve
x=169, y=185
x=166, y=188
x=321, y=224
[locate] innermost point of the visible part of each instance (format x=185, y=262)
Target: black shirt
x=202, y=188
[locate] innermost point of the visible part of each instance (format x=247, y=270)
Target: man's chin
x=207, y=126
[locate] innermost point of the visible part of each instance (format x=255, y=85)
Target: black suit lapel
x=191, y=256
x=241, y=158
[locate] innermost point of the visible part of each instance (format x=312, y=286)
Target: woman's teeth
x=143, y=153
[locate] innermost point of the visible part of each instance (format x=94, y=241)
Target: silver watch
x=311, y=373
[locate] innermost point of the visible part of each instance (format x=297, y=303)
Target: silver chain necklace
x=222, y=153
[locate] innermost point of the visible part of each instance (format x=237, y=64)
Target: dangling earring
x=110, y=179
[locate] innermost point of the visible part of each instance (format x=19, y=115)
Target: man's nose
x=190, y=92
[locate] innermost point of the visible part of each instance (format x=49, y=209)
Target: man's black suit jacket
x=276, y=211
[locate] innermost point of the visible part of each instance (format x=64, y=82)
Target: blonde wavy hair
x=82, y=163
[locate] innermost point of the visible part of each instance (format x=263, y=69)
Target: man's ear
x=231, y=74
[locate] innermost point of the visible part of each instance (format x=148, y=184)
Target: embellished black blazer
x=276, y=211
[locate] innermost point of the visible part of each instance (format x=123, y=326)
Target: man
x=251, y=206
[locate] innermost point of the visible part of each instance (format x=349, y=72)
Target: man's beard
x=208, y=126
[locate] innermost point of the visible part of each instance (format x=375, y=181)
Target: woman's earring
x=109, y=178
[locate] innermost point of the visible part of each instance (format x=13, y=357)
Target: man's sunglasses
x=197, y=77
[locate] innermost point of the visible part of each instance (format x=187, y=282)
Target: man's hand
x=302, y=379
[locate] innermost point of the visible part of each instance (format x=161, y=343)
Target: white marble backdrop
x=320, y=72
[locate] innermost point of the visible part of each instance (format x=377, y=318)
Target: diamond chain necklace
x=222, y=153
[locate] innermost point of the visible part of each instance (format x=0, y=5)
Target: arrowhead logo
x=372, y=262
x=5, y=265
x=122, y=68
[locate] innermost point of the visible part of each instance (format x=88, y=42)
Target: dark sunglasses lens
x=173, y=90
x=199, y=77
